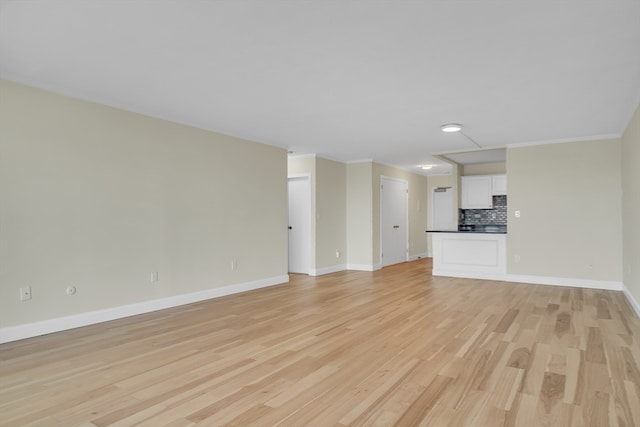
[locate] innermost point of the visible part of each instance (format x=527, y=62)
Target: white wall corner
x=632, y=301
x=327, y=270
x=28, y=330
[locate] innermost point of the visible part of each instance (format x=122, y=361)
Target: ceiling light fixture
x=426, y=167
x=455, y=127
x=451, y=127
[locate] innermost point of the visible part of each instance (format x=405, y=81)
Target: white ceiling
x=348, y=80
x=476, y=156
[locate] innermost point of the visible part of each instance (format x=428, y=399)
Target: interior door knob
x=290, y=228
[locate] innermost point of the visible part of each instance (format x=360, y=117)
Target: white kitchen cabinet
x=499, y=185
x=477, y=192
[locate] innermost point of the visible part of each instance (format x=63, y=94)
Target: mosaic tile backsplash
x=495, y=216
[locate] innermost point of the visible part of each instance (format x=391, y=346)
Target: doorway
x=443, y=217
x=394, y=235
x=299, y=224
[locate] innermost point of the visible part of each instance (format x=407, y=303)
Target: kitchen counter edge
x=465, y=232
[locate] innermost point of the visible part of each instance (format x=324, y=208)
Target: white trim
x=364, y=267
x=327, y=270
x=420, y=172
x=312, y=156
x=102, y=101
x=535, y=280
x=566, y=281
x=391, y=178
x=301, y=156
x=632, y=301
x=565, y=140
x=28, y=330
x=469, y=275
x=436, y=174
x=360, y=267
x=418, y=256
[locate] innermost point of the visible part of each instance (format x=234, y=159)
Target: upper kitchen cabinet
x=477, y=192
x=499, y=185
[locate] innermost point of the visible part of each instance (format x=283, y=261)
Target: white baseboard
x=327, y=270
x=470, y=275
x=632, y=301
x=28, y=330
x=564, y=281
x=360, y=267
x=536, y=280
x=418, y=256
x=364, y=267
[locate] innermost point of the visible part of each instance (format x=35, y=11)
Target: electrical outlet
x=153, y=277
x=337, y=254
x=517, y=213
x=25, y=293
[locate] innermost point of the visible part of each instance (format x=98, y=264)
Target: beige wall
x=485, y=169
x=99, y=198
x=418, y=193
x=359, y=215
x=331, y=213
x=631, y=205
x=569, y=197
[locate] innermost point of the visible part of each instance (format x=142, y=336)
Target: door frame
x=406, y=183
x=307, y=178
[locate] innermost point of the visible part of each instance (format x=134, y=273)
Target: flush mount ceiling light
x=451, y=127
x=455, y=127
x=426, y=167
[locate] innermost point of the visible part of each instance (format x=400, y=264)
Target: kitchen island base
x=470, y=255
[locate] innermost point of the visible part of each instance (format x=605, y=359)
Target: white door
x=393, y=220
x=443, y=216
x=299, y=225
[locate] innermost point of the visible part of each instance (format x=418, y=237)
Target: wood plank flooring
x=392, y=347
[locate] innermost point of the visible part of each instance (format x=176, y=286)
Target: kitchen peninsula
x=477, y=254
x=478, y=248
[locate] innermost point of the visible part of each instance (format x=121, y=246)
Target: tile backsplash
x=495, y=216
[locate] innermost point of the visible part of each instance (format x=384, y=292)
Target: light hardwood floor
x=393, y=347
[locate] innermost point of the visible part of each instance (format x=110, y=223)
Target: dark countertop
x=466, y=231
